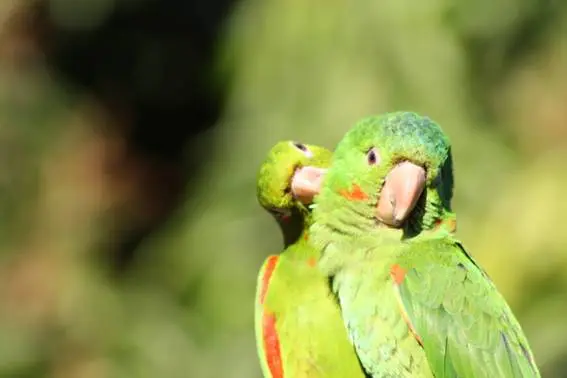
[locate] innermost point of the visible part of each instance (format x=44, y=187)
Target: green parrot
x=414, y=302
x=299, y=330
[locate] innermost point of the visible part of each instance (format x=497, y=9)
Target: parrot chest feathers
x=306, y=320
x=386, y=344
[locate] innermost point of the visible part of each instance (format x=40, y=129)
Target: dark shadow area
x=150, y=64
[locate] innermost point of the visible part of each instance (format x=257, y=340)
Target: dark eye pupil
x=300, y=146
x=372, y=157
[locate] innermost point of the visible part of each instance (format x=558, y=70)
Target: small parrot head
x=290, y=176
x=382, y=167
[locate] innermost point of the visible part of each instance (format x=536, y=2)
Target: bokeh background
x=131, y=132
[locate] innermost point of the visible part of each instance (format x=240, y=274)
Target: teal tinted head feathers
x=382, y=166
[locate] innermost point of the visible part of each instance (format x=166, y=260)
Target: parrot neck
x=302, y=249
x=294, y=228
x=337, y=220
x=431, y=213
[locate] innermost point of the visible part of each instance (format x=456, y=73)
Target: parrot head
x=384, y=167
x=288, y=179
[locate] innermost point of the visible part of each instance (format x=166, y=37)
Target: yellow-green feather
x=410, y=307
x=469, y=328
x=312, y=338
x=258, y=317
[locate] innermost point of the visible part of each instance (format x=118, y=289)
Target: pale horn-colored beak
x=401, y=191
x=306, y=183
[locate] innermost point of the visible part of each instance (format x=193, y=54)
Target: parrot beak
x=400, y=193
x=306, y=183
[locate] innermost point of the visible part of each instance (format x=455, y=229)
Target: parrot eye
x=300, y=146
x=373, y=156
x=303, y=148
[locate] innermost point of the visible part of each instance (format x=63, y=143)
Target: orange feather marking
x=408, y=323
x=356, y=194
x=269, y=331
x=312, y=262
x=272, y=345
x=450, y=224
x=398, y=274
x=268, y=271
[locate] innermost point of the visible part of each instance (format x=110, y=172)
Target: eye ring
x=372, y=156
x=300, y=146
x=303, y=148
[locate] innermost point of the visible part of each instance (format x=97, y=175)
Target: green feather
x=470, y=329
x=414, y=303
x=312, y=339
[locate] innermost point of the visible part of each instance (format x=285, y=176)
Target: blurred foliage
x=493, y=74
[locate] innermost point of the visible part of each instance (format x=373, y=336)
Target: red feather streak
x=356, y=194
x=398, y=275
x=270, y=334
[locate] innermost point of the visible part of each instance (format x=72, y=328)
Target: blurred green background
x=131, y=132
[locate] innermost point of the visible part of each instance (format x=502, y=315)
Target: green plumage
x=310, y=334
x=414, y=303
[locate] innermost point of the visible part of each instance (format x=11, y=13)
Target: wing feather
x=466, y=327
x=267, y=341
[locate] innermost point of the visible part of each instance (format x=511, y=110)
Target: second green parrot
x=414, y=302
x=299, y=330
